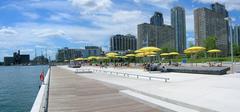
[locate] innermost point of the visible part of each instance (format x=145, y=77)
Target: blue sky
x=52, y=24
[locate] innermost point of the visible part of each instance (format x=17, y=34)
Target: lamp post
x=231, y=38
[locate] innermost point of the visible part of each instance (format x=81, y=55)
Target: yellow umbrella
x=124, y=57
x=112, y=54
x=140, y=55
x=189, y=52
x=85, y=59
x=214, y=51
x=164, y=54
x=101, y=58
x=105, y=58
x=130, y=55
x=138, y=51
x=150, y=49
x=121, y=56
x=78, y=59
x=195, y=49
x=151, y=55
x=98, y=58
x=174, y=53
x=92, y=58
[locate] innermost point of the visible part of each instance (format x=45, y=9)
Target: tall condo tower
x=212, y=23
x=178, y=22
x=156, y=33
x=157, y=19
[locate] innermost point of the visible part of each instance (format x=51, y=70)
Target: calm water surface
x=19, y=86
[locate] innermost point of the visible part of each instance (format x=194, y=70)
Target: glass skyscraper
x=157, y=19
x=236, y=35
x=179, y=24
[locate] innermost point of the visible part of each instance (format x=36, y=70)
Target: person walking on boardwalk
x=42, y=77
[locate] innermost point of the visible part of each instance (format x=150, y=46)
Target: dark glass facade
x=179, y=25
x=123, y=42
x=157, y=19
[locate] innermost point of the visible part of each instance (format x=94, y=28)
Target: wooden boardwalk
x=71, y=93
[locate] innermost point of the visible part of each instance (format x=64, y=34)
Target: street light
x=231, y=38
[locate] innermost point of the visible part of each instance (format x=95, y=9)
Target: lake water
x=19, y=86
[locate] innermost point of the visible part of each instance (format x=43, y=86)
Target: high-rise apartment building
x=156, y=33
x=219, y=8
x=92, y=51
x=179, y=24
x=157, y=19
x=159, y=36
x=122, y=43
x=211, y=23
x=236, y=35
x=68, y=54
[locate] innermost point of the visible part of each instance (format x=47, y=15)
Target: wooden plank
x=71, y=93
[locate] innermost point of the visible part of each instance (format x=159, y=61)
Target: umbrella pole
x=190, y=58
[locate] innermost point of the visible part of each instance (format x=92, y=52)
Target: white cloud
x=61, y=17
x=39, y=34
x=31, y=15
x=48, y=33
x=125, y=16
x=7, y=31
x=92, y=5
x=31, y=34
x=102, y=18
x=51, y=5
x=230, y=4
x=159, y=3
x=122, y=21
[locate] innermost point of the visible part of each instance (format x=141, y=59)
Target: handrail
x=41, y=102
x=124, y=74
x=83, y=70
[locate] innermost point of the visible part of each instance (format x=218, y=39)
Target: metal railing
x=124, y=74
x=83, y=71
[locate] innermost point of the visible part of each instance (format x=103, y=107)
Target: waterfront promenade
x=204, y=93
x=69, y=92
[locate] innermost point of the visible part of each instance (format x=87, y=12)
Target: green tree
x=210, y=43
x=165, y=49
x=190, y=43
x=236, y=50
